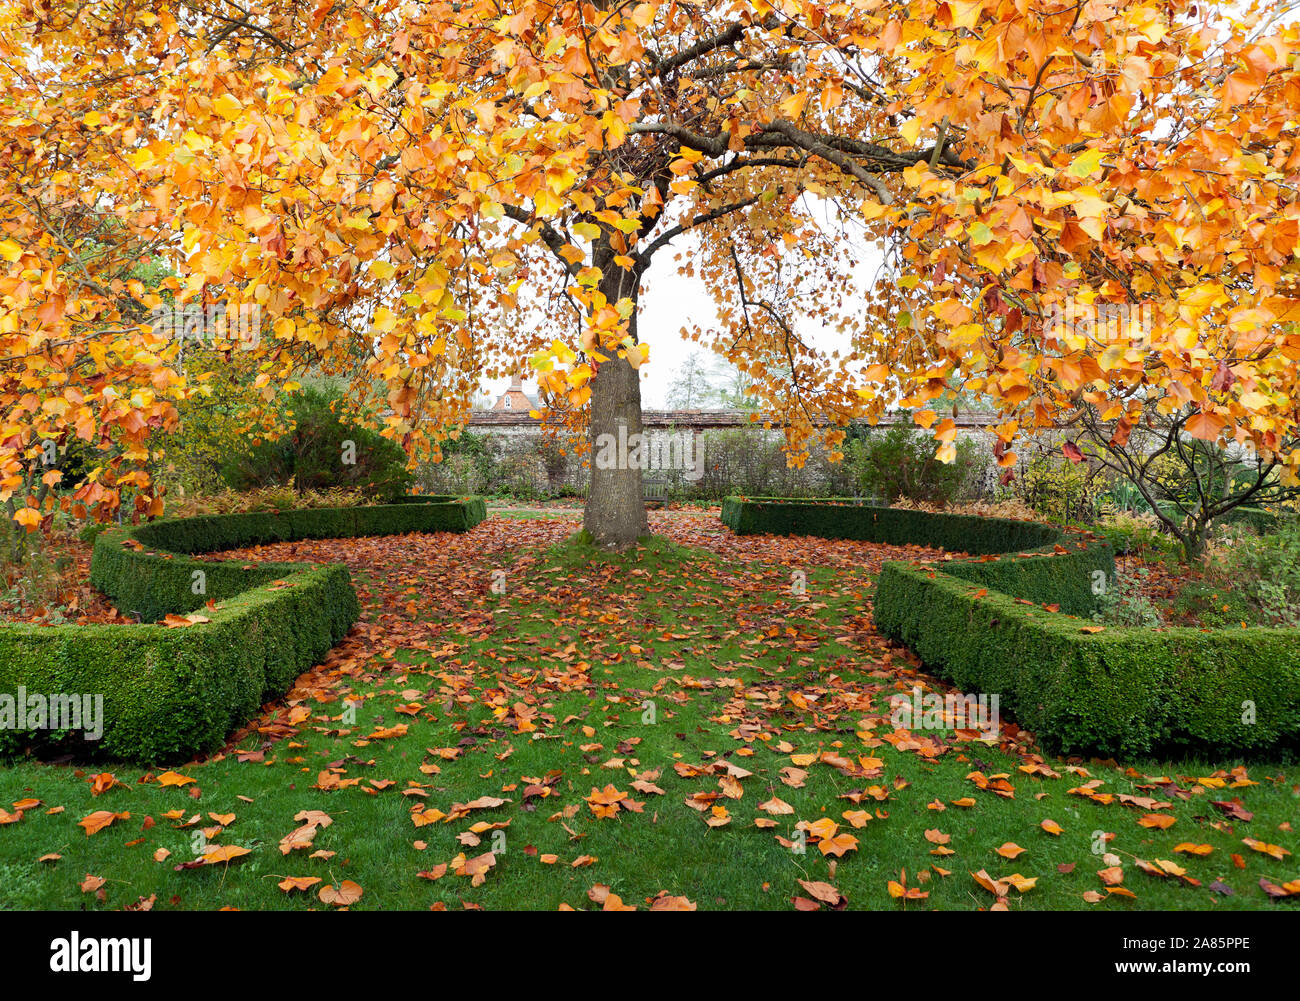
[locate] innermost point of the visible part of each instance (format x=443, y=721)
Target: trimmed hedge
x=1258, y=518
x=982, y=623
x=1166, y=692
x=170, y=693
x=893, y=526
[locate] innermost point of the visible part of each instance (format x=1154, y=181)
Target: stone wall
x=724, y=453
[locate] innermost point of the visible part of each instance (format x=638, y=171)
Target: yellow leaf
x=965, y=13
x=1085, y=164
x=792, y=107
x=547, y=203
x=227, y=106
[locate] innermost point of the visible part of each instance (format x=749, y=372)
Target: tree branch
x=669, y=235
x=550, y=236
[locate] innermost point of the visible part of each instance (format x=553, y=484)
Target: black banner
x=139, y=952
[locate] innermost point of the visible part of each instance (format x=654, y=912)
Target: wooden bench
x=654, y=491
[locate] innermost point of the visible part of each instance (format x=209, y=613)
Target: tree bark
x=1196, y=539
x=615, y=514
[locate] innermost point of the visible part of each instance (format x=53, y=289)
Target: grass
x=543, y=694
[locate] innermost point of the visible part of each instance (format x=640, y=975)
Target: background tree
x=216, y=422
x=696, y=385
x=1187, y=482
x=425, y=194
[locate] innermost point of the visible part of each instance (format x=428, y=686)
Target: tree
x=428, y=193
x=215, y=421
x=695, y=387
x=1187, y=482
x=899, y=462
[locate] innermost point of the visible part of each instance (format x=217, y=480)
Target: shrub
x=1122, y=496
x=1249, y=579
x=737, y=460
x=902, y=463
x=1279, y=605
x=1258, y=518
x=214, y=425
x=277, y=498
x=1059, y=489
x=1131, y=534
x=1010, y=507
x=1124, y=602
x=1213, y=606
x=170, y=693
x=35, y=582
x=846, y=519
x=322, y=452
x=1172, y=692
x=1011, y=624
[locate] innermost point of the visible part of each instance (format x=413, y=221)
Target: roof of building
x=514, y=400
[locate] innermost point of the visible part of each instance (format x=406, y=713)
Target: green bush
x=1019, y=624
x=170, y=693
x=745, y=460
x=154, y=581
x=1172, y=692
x=1249, y=579
x=1055, y=487
x=1258, y=518
x=901, y=462
x=1123, y=496
x=1125, y=602
x=846, y=519
x=1131, y=534
x=316, y=454
x=1213, y=606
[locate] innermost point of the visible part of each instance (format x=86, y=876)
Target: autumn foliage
x=417, y=195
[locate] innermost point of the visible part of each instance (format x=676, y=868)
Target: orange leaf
x=97, y=821
x=291, y=883
x=342, y=895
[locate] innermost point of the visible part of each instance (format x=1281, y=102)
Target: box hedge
x=170, y=693
x=889, y=525
x=1258, y=518
x=1167, y=692
x=985, y=624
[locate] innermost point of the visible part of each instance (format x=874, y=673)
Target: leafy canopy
x=420, y=194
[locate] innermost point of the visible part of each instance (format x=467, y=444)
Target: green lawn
x=541, y=695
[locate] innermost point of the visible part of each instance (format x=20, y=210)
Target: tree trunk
x=1196, y=541
x=615, y=512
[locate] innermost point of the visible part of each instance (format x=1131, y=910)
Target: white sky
x=674, y=301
